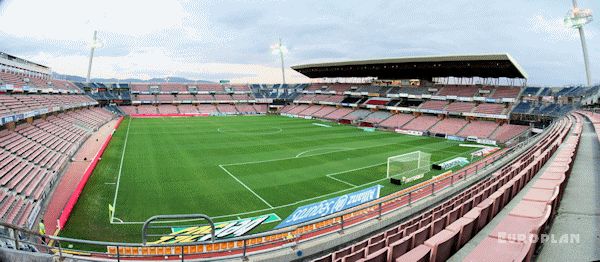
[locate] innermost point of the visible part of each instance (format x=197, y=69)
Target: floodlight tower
x=577, y=18
x=93, y=45
x=280, y=49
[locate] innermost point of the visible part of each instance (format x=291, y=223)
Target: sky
x=231, y=39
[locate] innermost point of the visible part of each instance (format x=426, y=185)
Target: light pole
x=280, y=49
x=95, y=44
x=577, y=18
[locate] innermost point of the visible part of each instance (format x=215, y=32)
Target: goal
x=408, y=167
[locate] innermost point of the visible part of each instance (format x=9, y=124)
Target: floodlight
x=576, y=18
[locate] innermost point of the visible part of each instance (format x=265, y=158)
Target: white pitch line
x=303, y=200
x=242, y=183
x=120, y=170
x=339, y=180
x=317, y=149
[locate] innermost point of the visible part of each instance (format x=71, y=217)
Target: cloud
x=76, y=19
x=154, y=62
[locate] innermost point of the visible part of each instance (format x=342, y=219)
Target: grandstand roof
x=419, y=67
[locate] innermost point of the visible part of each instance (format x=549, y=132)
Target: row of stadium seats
x=464, y=107
x=16, y=104
x=21, y=80
x=532, y=215
x=436, y=234
x=32, y=155
x=196, y=109
x=432, y=124
x=449, y=90
x=595, y=119
x=190, y=97
x=179, y=87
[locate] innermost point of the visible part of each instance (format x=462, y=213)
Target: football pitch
x=234, y=167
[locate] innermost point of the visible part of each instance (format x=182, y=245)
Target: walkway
x=579, y=211
x=73, y=175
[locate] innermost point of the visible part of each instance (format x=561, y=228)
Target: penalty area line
x=242, y=183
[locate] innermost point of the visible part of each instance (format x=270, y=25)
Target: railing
x=269, y=241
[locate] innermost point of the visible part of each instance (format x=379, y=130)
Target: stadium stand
x=33, y=154
x=506, y=92
x=339, y=113
x=377, y=117
x=448, y=126
x=324, y=111
x=421, y=123
x=207, y=109
x=493, y=109
x=480, y=129
x=434, y=105
x=227, y=109
x=310, y=110
x=460, y=107
x=396, y=121
x=507, y=131
x=459, y=91
x=356, y=115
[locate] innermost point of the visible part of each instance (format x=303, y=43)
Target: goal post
x=408, y=167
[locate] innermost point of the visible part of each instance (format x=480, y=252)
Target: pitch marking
x=317, y=149
x=120, y=171
x=242, y=183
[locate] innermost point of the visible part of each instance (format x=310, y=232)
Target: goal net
x=409, y=166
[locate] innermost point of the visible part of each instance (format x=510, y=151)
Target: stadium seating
x=434, y=105
x=506, y=92
x=448, y=126
x=147, y=109
x=377, y=117
x=493, y=109
x=514, y=236
x=261, y=108
x=167, y=109
x=396, y=121
x=207, y=109
x=310, y=110
x=227, y=109
x=324, y=111
x=32, y=155
x=421, y=123
x=339, y=113
x=16, y=104
x=460, y=107
x=245, y=108
x=507, y=131
x=357, y=115
x=480, y=129
x=459, y=91
x=187, y=109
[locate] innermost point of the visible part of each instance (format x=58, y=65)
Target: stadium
x=416, y=157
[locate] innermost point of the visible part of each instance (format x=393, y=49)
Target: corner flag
x=111, y=211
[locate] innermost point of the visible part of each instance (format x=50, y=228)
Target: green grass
x=173, y=166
